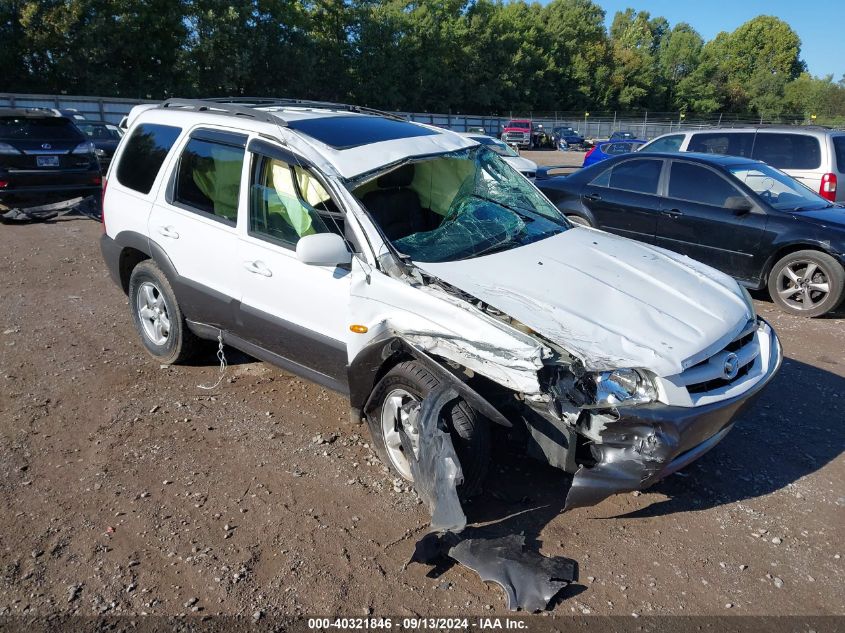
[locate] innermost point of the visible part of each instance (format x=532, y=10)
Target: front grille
x=711, y=375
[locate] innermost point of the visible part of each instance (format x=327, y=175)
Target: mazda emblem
x=731, y=367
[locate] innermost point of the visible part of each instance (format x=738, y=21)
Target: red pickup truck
x=518, y=132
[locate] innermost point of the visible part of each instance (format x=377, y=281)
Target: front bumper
x=641, y=445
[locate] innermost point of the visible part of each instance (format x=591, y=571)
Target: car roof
x=347, y=140
x=698, y=157
x=30, y=113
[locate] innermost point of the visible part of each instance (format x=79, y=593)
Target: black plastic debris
x=530, y=580
x=87, y=206
x=434, y=463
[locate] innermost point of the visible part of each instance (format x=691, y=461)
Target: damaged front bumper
x=640, y=445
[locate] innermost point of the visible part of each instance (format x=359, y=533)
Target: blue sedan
x=605, y=150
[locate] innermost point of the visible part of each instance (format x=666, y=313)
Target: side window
x=209, y=178
x=730, y=143
x=699, y=184
x=287, y=202
x=666, y=144
x=640, y=175
x=144, y=155
x=788, y=151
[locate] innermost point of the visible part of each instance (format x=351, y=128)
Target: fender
x=365, y=372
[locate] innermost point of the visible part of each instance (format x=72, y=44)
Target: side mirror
x=739, y=205
x=323, y=249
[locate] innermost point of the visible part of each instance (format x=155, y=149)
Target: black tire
x=577, y=219
x=827, y=271
x=180, y=343
x=470, y=432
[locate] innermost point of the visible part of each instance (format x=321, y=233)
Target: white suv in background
x=814, y=156
x=384, y=258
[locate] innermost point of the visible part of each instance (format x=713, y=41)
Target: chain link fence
x=592, y=125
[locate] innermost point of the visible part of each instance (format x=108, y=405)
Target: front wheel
x=403, y=386
x=807, y=283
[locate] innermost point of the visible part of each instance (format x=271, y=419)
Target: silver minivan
x=815, y=156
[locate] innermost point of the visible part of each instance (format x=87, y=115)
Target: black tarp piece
x=87, y=206
x=530, y=580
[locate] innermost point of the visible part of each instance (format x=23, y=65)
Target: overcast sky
x=820, y=23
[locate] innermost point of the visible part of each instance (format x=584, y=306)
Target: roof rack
x=264, y=102
x=231, y=109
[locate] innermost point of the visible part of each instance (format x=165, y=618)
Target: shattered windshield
x=778, y=189
x=457, y=206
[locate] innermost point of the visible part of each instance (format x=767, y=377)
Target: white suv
x=384, y=258
x=814, y=156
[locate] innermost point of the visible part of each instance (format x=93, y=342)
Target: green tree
x=678, y=57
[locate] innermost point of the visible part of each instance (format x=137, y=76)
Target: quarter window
x=287, y=202
x=666, y=144
x=640, y=175
x=699, y=184
x=839, y=149
x=145, y=151
x=209, y=178
x=788, y=151
x=730, y=143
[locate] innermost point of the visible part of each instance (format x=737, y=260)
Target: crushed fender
x=529, y=580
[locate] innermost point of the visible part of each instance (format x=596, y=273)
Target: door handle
x=672, y=213
x=168, y=231
x=257, y=268
x=593, y=196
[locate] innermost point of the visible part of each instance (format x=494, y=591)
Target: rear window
x=788, y=151
x=839, y=150
x=23, y=128
x=640, y=175
x=666, y=144
x=730, y=143
x=144, y=154
x=344, y=132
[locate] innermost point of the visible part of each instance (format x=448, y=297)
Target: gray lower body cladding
x=642, y=445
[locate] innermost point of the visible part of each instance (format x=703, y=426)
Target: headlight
x=749, y=302
x=621, y=386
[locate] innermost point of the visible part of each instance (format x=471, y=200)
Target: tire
x=578, y=220
x=171, y=342
x=470, y=432
x=794, y=293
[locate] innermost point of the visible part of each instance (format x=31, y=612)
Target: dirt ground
x=126, y=489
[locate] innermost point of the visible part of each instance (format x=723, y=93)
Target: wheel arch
x=369, y=367
x=793, y=247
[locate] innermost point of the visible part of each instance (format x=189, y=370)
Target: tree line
x=479, y=56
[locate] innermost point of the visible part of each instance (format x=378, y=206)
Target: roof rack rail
x=222, y=107
x=263, y=102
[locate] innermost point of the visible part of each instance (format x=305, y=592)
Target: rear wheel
x=157, y=315
x=407, y=383
x=577, y=219
x=807, y=283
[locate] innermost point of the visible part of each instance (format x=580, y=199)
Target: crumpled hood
x=611, y=301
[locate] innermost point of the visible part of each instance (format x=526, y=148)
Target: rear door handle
x=168, y=231
x=672, y=213
x=258, y=268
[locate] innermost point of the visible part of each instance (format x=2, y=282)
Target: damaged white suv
x=384, y=258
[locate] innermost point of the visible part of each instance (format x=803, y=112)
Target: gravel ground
x=129, y=490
